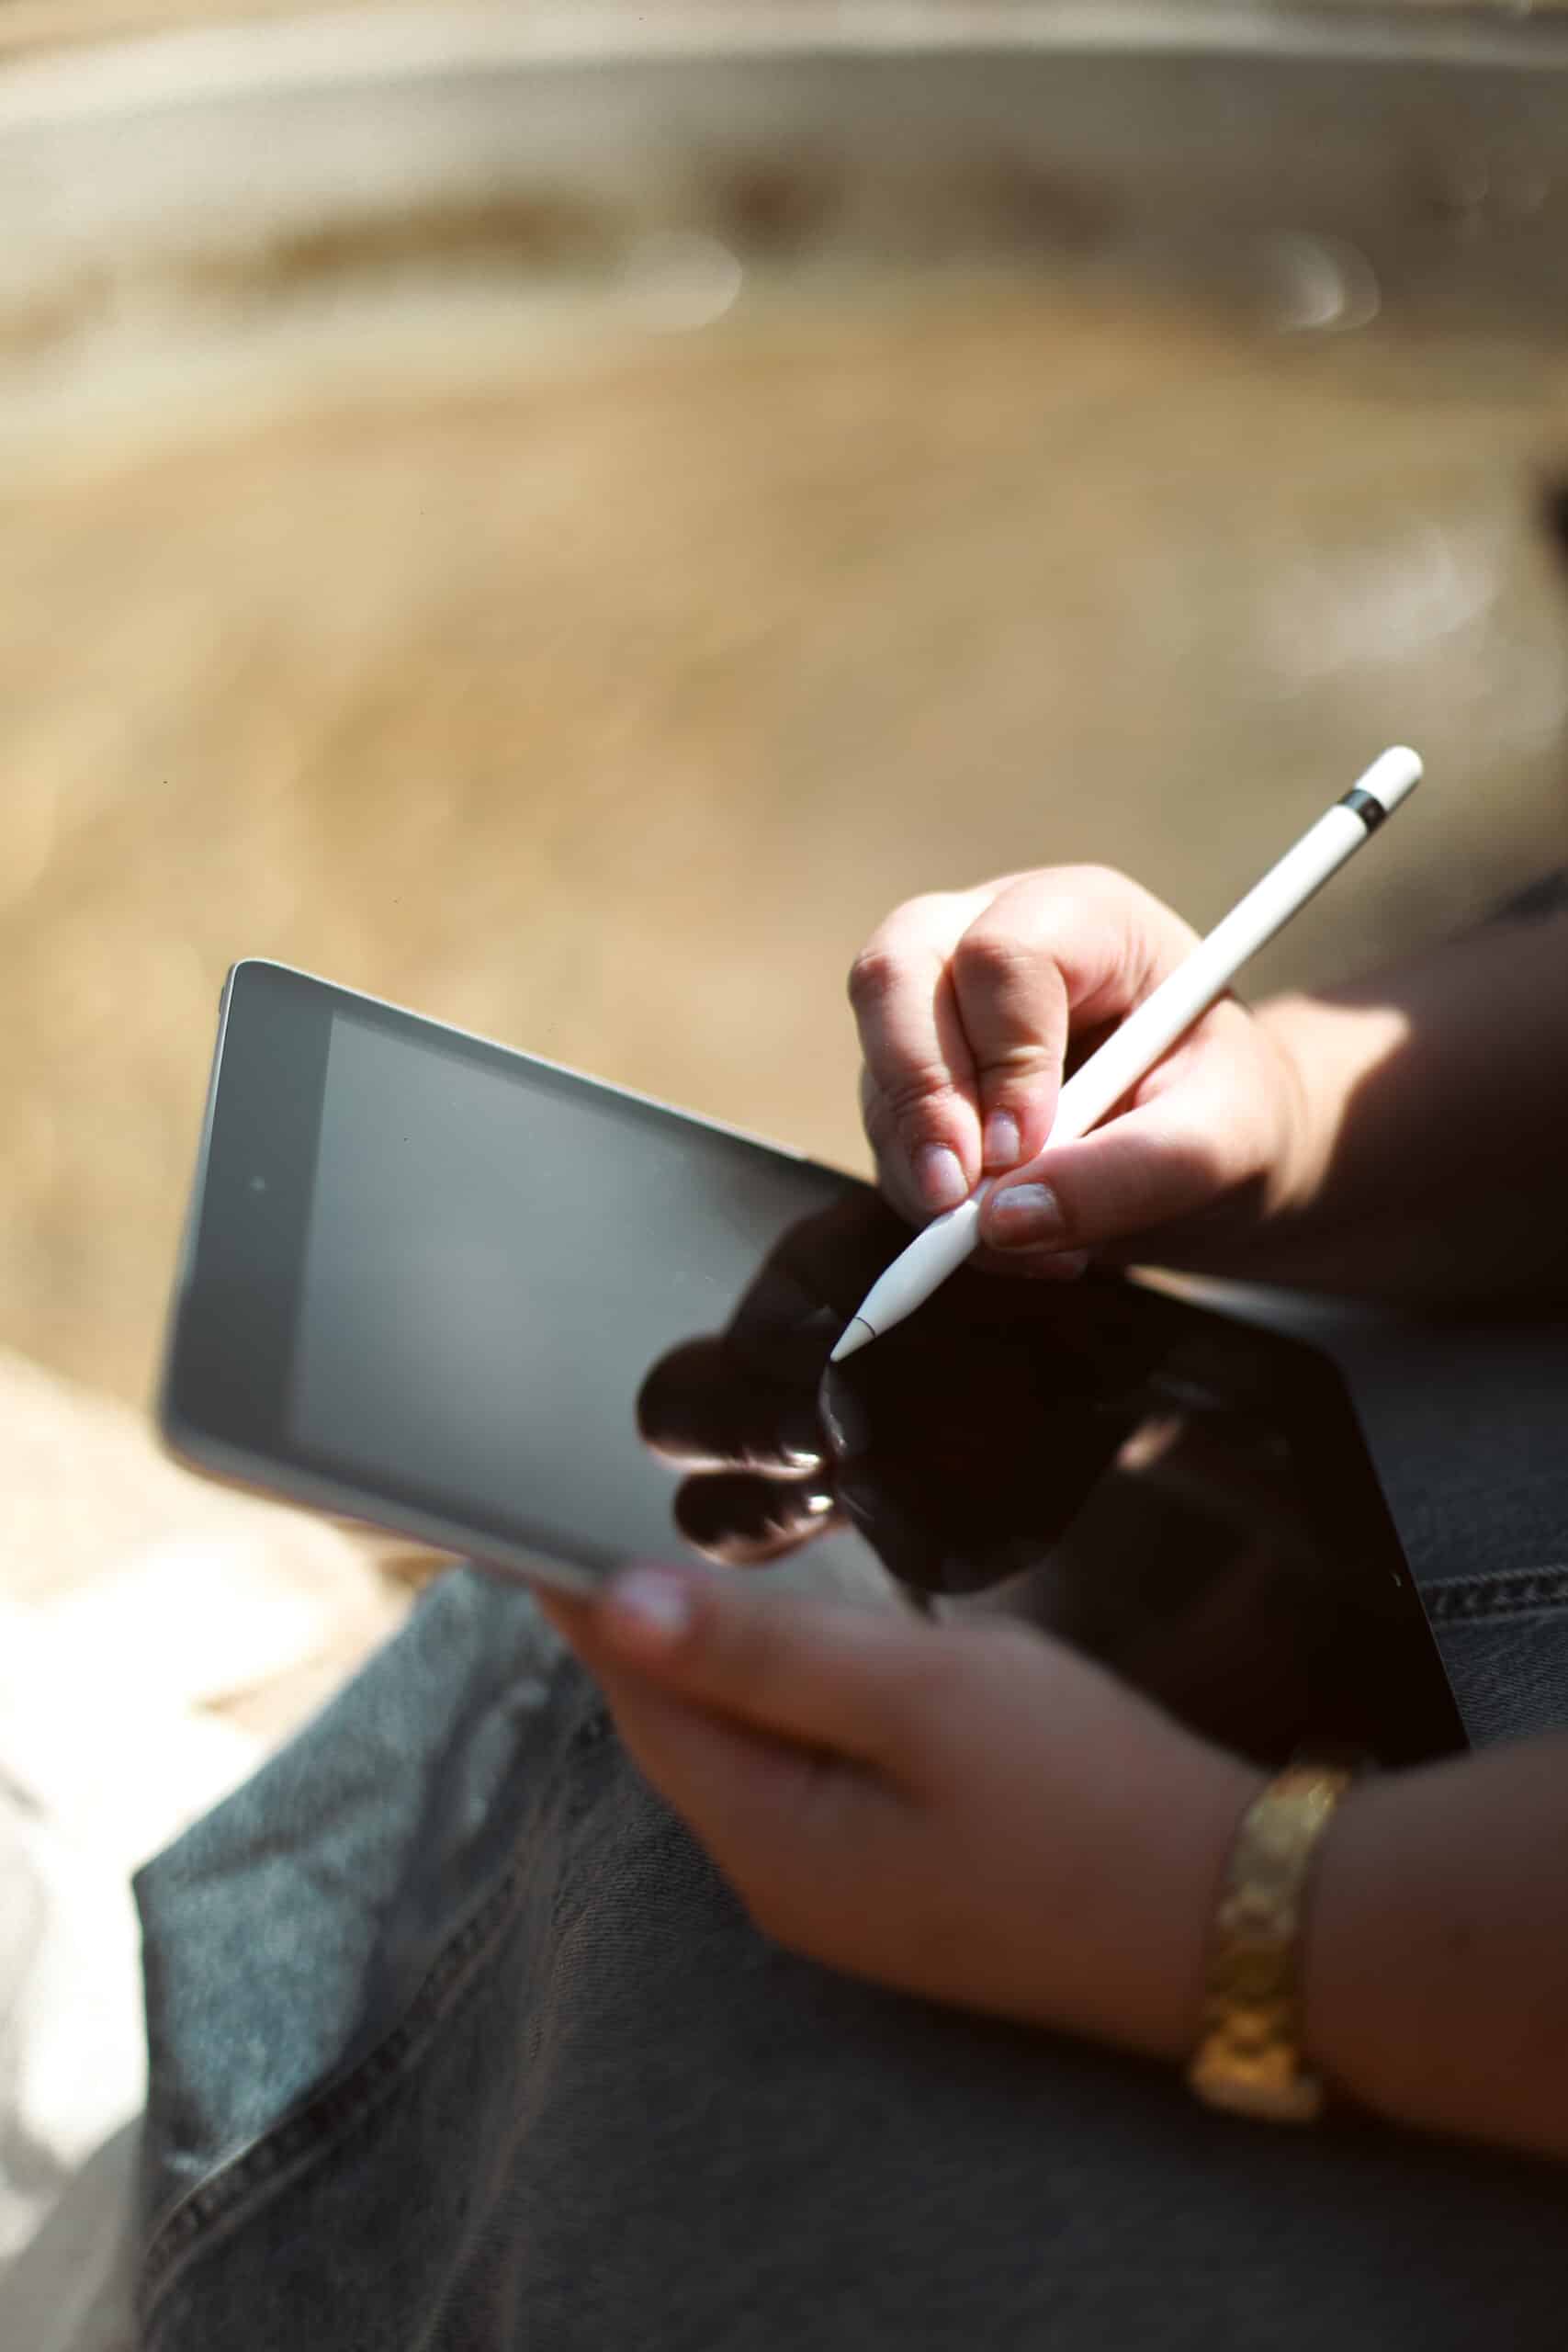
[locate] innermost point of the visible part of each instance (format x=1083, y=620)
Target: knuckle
x=1102, y=880
x=911, y=936
x=910, y=1101
x=1100, y=897
x=930, y=913
x=876, y=1117
x=875, y=977
x=994, y=960
x=1094, y=885
x=1009, y=1072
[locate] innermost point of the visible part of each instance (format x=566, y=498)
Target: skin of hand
x=970, y=1812
x=1401, y=1137
x=972, y=1005
x=976, y=1814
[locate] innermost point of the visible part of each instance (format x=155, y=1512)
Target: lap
x=457, y=2039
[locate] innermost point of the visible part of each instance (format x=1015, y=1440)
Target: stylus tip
x=857, y=1333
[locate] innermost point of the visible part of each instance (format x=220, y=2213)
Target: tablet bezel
x=223, y=1389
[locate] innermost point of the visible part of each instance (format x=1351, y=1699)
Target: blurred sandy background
x=577, y=593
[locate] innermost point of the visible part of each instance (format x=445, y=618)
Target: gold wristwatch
x=1250, y=2056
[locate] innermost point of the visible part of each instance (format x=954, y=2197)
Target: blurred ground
x=607, y=713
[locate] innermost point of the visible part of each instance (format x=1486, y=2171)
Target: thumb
x=1144, y=1171
x=823, y=1673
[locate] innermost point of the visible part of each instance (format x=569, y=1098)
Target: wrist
x=1312, y=1186
x=1313, y=1085
x=1341, y=2029
x=1182, y=1808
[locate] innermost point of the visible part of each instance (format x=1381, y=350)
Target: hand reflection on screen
x=961, y=1444
x=1121, y=1468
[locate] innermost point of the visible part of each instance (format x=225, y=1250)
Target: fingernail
x=938, y=1172
x=1024, y=1216
x=1003, y=1146
x=800, y=1438
x=651, y=1604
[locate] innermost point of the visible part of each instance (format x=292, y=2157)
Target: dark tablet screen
x=460, y=1291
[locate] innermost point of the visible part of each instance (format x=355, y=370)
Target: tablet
x=540, y=1322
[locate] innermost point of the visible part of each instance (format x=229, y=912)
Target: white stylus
x=1150, y=1031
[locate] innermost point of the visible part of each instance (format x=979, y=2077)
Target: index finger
x=918, y=1059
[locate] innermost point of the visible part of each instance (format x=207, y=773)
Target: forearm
x=1436, y=1963
x=1432, y=1151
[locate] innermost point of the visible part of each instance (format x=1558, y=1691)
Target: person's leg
x=458, y=2041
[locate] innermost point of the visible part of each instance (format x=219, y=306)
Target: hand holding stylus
x=968, y=1004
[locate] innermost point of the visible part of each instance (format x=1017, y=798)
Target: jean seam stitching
x=1519, y=1592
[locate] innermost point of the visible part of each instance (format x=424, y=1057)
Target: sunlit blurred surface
x=568, y=547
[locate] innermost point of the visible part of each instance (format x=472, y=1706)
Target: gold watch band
x=1249, y=2055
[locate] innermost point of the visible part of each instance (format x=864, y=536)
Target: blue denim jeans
x=460, y=2044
